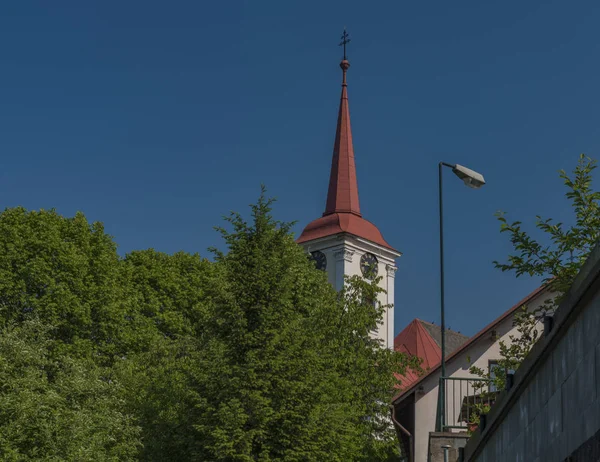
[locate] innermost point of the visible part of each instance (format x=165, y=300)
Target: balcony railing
x=465, y=398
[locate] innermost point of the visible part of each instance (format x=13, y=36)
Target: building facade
x=416, y=405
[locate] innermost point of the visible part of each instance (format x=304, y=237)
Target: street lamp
x=473, y=180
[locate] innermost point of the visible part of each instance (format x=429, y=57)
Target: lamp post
x=473, y=180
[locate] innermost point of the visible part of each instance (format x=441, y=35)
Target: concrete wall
x=438, y=440
x=553, y=410
x=479, y=353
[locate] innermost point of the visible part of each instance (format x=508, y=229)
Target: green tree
x=170, y=357
x=171, y=291
x=290, y=371
x=60, y=391
x=555, y=257
x=66, y=272
x=558, y=256
x=161, y=396
x=58, y=408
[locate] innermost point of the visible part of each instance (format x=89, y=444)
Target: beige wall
x=480, y=352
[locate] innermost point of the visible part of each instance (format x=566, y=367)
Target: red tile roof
x=423, y=340
x=342, y=210
x=415, y=340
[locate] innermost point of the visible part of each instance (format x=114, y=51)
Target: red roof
x=343, y=186
x=335, y=223
x=342, y=210
x=415, y=340
x=408, y=385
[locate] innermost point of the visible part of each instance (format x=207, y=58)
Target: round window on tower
x=319, y=259
x=369, y=266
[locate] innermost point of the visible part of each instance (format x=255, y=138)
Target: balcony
x=465, y=399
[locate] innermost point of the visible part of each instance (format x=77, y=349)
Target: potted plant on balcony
x=473, y=423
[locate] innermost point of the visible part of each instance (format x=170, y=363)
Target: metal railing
x=465, y=398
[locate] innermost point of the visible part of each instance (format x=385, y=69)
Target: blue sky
x=158, y=118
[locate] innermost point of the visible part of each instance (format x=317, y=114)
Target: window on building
x=496, y=371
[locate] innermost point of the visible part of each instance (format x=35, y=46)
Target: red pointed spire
x=342, y=196
x=342, y=212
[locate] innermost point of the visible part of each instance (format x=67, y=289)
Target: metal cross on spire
x=344, y=41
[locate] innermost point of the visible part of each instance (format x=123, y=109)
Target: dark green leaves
x=294, y=373
x=556, y=257
x=59, y=408
x=558, y=261
x=157, y=357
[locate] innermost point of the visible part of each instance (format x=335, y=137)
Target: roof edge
x=473, y=339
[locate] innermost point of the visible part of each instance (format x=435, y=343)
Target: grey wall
x=437, y=440
x=553, y=410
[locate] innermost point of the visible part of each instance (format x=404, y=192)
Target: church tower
x=342, y=242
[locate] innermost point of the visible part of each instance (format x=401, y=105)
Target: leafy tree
x=66, y=273
x=290, y=371
x=254, y=357
x=556, y=258
x=66, y=302
x=58, y=408
x=171, y=292
x=170, y=289
x=365, y=366
x=558, y=261
x=160, y=394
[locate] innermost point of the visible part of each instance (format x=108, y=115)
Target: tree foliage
x=57, y=407
x=555, y=257
x=559, y=255
x=251, y=357
x=294, y=373
x=171, y=292
x=66, y=272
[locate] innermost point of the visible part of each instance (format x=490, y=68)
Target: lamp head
x=470, y=177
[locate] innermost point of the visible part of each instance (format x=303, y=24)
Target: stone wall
x=552, y=412
x=454, y=440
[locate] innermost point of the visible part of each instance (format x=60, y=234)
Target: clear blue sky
x=157, y=118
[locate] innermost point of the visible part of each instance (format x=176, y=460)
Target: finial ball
x=345, y=64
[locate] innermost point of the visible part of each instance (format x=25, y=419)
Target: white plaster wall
x=480, y=352
x=343, y=254
x=389, y=279
x=425, y=409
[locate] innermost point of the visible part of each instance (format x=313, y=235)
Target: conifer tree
x=290, y=371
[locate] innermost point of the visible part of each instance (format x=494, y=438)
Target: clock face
x=369, y=266
x=320, y=260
